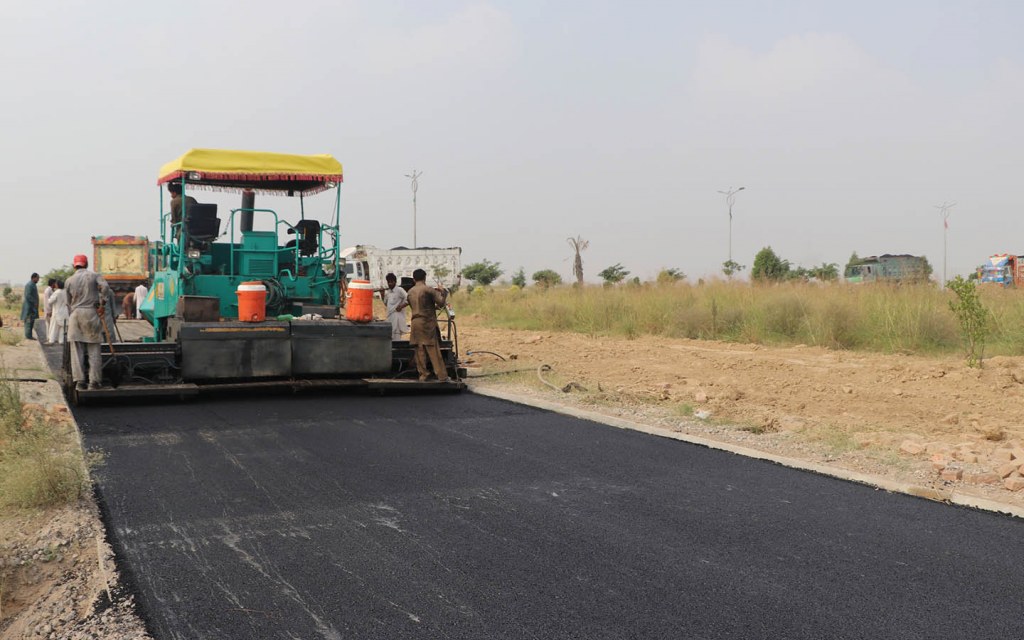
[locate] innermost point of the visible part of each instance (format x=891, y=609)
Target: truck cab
x=356, y=269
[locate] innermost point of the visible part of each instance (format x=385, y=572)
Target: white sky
x=532, y=122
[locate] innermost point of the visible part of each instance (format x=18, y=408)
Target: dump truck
x=123, y=261
x=366, y=262
x=893, y=268
x=207, y=257
x=1004, y=269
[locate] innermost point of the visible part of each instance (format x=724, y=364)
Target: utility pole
x=944, y=212
x=730, y=199
x=414, y=176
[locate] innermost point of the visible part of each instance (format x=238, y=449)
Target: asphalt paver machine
x=200, y=344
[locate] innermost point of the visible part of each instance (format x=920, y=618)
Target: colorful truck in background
x=1003, y=269
x=123, y=261
x=901, y=268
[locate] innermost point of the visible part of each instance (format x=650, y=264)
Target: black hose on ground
x=498, y=373
x=469, y=353
x=565, y=389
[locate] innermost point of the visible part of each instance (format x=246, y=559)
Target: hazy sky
x=532, y=122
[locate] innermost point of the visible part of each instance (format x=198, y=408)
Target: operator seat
x=202, y=221
x=309, y=237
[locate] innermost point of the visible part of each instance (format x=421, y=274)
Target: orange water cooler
x=252, y=301
x=359, y=301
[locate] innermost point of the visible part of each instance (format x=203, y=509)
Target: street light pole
x=730, y=199
x=944, y=212
x=414, y=176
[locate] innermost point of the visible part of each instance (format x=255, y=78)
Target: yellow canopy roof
x=257, y=170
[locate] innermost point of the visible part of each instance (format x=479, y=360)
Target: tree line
x=768, y=266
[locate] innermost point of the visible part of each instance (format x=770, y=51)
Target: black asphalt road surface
x=469, y=517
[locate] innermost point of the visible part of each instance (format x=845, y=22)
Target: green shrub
x=972, y=316
x=38, y=463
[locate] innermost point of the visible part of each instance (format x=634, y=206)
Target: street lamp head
x=741, y=188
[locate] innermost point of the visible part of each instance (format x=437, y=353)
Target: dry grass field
x=876, y=318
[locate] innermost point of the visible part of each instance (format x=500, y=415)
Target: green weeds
x=38, y=466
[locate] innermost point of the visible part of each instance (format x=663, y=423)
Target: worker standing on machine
x=87, y=294
x=424, y=335
x=395, y=301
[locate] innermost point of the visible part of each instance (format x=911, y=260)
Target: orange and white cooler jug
x=252, y=301
x=359, y=301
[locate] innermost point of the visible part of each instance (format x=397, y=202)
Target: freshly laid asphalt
x=470, y=517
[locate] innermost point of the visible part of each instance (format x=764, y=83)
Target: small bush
x=37, y=466
x=10, y=337
x=973, y=317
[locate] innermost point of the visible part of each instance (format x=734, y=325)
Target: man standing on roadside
x=30, y=306
x=424, y=335
x=51, y=287
x=87, y=295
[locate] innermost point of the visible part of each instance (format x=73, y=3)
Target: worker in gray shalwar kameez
x=87, y=296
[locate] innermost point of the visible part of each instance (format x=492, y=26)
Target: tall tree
x=852, y=262
x=519, y=278
x=826, y=271
x=670, y=276
x=483, y=273
x=731, y=267
x=546, y=278
x=578, y=244
x=58, y=273
x=769, y=267
x=614, y=274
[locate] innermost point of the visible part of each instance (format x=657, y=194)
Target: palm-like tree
x=578, y=244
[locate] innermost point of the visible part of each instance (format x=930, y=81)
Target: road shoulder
x=58, y=573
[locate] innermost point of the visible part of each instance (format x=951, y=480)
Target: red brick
x=1014, y=484
x=1001, y=455
x=1005, y=470
x=984, y=477
x=950, y=474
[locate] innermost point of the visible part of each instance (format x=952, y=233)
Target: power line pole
x=944, y=212
x=730, y=199
x=414, y=176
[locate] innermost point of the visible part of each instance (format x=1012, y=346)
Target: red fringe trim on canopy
x=192, y=186
x=254, y=177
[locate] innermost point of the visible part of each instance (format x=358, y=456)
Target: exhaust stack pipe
x=248, y=202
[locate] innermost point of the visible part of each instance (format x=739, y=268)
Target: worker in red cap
x=87, y=293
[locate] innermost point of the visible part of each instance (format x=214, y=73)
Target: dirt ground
x=930, y=421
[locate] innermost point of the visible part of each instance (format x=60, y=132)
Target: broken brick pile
x=974, y=462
